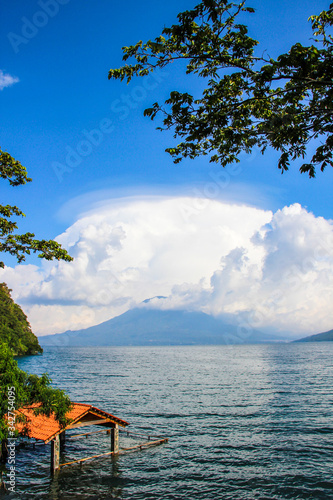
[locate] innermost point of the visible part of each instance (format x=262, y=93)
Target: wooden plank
x=145, y=445
x=129, y=433
x=116, y=420
x=55, y=453
x=88, y=433
x=87, y=458
x=62, y=438
x=91, y=422
x=137, y=447
x=115, y=439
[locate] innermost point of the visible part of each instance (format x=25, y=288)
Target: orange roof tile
x=46, y=428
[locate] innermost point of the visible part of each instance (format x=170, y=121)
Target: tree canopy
x=16, y=337
x=28, y=389
x=15, y=329
x=249, y=100
x=21, y=245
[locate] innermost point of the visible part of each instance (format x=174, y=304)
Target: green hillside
x=15, y=329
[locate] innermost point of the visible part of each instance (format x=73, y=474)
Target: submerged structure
x=48, y=429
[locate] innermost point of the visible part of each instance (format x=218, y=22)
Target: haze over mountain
x=147, y=326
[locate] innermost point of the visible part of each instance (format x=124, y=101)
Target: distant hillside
x=145, y=326
x=320, y=337
x=15, y=329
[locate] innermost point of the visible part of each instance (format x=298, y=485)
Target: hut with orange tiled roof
x=48, y=429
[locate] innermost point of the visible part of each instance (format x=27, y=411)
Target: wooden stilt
x=3, y=451
x=55, y=454
x=115, y=439
x=2, y=484
x=62, y=438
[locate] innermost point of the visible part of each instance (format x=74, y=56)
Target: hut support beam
x=55, y=454
x=62, y=438
x=115, y=439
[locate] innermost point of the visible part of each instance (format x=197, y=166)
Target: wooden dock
x=137, y=447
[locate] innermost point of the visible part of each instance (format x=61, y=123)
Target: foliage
x=15, y=329
x=250, y=101
x=20, y=245
x=16, y=337
x=29, y=389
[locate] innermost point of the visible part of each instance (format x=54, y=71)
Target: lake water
x=243, y=422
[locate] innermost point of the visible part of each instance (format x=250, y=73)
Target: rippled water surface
x=243, y=422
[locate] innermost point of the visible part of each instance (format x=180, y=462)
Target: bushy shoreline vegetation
x=15, y=329
x=16, y=336
x=17, y=339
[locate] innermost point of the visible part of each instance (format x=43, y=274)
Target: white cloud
x=7, y=80
x=273, y=271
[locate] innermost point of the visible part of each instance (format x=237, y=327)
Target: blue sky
x=61, y=51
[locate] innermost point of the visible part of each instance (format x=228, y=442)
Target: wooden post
x=115, y=439
x=3, y=450
x=62, y=438
x=55, y=454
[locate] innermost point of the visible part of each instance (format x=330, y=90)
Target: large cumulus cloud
x=270, y=271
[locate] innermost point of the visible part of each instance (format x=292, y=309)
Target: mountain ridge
x=151, y=326
x=319, y=337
